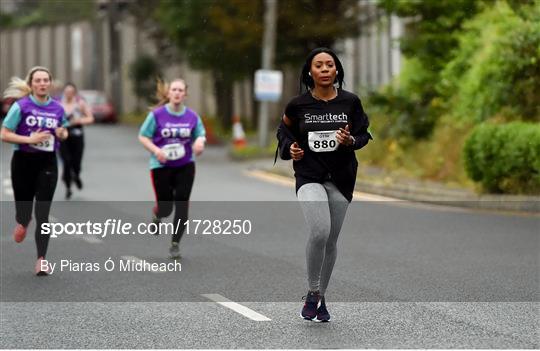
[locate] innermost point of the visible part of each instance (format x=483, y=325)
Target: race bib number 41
x=45, y=145
x=174, y=151
x=323, y=141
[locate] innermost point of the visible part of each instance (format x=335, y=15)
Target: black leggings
x=34, y=175
x=71, y=151
x=173, y=186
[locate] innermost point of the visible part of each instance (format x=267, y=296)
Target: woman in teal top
x=174, y=134
x=35, y=123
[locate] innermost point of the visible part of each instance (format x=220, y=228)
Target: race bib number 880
x=323, y=141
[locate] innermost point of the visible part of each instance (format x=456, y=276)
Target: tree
x=428, y=44
x=41, y=12
x=433, y=35
x=145, y=14
x=304, y=25
x=144, y=72
x=496, y=69
x=222, y=37
x=225, y=37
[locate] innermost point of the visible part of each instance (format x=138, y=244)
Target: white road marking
x=236, y=307
x=358, y=196
x=6, y=185
x=92, y=239
x=286, y=181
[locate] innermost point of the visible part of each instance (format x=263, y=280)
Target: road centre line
x=6, y=185
x=131, y=258
x=236, y=307
x=92, y=239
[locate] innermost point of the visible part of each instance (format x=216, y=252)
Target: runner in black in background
x=71, y=150
x=320, y=130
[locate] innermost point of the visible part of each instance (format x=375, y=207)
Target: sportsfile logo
x=325, y=118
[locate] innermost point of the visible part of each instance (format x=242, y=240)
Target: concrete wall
x=80, y=52
x=372, y=59
x=60, y=71
x=43, y=47
x=17, y=50
x=5, y=54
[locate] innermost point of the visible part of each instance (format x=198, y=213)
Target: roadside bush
x=496, y=69
x=408, y=103
x=505, y=158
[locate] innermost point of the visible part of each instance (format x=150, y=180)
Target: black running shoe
x=322, y=312
x=310, y=306
x=78, y=182
x=69, y=193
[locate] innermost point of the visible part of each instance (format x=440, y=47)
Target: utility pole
x=96, y=73
x=268, y=54
x=113, y=15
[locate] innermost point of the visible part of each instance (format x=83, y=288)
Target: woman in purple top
x=174, y=134
x=35, y=123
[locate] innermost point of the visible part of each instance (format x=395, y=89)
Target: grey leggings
x=324, y=209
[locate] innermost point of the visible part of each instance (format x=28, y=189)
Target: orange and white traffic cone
x=239, y=137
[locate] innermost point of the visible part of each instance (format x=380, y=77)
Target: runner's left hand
x=61, y=133
x=198, y=146
x=344, y=136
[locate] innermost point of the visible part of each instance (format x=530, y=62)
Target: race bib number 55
x=323, y=141
x=46, y=145
x=174, y=151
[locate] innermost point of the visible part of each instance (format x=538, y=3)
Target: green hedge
x=505, y=158
x=496, y=69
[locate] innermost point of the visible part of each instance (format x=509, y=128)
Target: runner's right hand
x=39, y=137
x=296, y=152
x=160, y=155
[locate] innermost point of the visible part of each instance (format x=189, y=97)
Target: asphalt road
x=407, y=275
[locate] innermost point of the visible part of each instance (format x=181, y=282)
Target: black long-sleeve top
x=309, y=117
